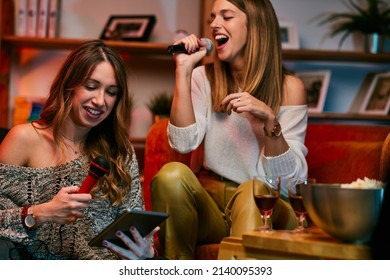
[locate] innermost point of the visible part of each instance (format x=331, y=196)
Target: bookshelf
x=149, y=48
x=10, y=43
x=144, y=48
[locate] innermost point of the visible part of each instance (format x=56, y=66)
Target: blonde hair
x=263, y=73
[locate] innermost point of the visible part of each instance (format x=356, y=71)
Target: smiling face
x=229, y=28
x=93, y=101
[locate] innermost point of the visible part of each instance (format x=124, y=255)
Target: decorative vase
x=374, y=43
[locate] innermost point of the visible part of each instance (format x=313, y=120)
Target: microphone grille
x=102, y=162
x=209, y=45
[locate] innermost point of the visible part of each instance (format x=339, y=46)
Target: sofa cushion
x=343, y=161
x=324, y=132
x=207, y=252
x=385, y=159
x=341, y=153
x=157, y=153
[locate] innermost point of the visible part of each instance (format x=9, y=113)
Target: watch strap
x=24, y=216
x=275, y=132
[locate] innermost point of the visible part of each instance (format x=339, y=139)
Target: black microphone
x=99, y=166
x=180, y=48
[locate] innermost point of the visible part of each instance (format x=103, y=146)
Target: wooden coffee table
x=283, y=245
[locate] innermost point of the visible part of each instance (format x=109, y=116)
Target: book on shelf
x=53, y=20
x=32, y=17
x=20, y=17
x=37, y=18
x=27, y=109
x=43, y=11
x=36, y=109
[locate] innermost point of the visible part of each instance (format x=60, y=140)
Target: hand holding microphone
x=99, y=166
x=180, y=48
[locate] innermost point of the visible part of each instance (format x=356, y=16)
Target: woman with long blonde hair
x=249, y=115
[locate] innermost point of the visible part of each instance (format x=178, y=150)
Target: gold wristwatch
x=275, y=132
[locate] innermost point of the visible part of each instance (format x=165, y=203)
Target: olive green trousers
x=204, y=209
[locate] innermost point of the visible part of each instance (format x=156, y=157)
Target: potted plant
x=372, y=20
x=160, y=105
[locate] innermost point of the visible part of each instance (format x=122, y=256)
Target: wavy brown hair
x=109, y=138
x=263, y=73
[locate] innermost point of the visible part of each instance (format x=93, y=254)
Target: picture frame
x=128, y=27
x=377, y=97
x=316, y=85
x=289, y=35
x=362, y=92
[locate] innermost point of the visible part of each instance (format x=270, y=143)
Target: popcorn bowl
x=348, y=214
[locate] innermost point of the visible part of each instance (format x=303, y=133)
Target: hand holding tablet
x=143, y=221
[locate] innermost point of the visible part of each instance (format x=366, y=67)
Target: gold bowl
x=349, y=214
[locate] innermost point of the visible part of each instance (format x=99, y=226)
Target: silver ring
x=238, y=99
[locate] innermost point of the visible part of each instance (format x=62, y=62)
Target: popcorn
x=364, y=184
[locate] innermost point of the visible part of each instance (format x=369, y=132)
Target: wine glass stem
x=268, y=221
x=266, y=216
x=301, y=221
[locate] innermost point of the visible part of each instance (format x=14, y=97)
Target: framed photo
x=289, y=35
x=362, y=92
x=128, y=28
x=316, y=85
x=377, y=98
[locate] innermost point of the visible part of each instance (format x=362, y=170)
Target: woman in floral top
x=43, y=164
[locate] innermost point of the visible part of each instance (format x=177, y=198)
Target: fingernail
x=119, y=233
x=104, y=243
x=132, y=228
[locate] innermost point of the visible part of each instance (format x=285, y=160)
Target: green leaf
x=160, y=104
x=373, y=17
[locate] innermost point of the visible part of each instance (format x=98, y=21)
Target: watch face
x=30, y=221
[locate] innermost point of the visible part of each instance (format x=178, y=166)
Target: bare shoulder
x=16, y=146
x=294, y=91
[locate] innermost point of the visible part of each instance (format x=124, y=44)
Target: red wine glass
x=294, y=188
x=266, y=191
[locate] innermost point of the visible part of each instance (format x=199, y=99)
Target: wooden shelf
x=150, y=48
x=144, y=48
x=349, y=117
x=338, y=56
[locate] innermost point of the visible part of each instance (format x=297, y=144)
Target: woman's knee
x=174, y=182
x=170, y=175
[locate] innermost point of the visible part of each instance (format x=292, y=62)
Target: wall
x=346, y=78
x=34, y=71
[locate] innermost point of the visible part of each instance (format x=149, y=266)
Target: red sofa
x=338, y=153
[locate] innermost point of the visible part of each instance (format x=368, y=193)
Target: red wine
x=297, y=204
x=265, y=202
